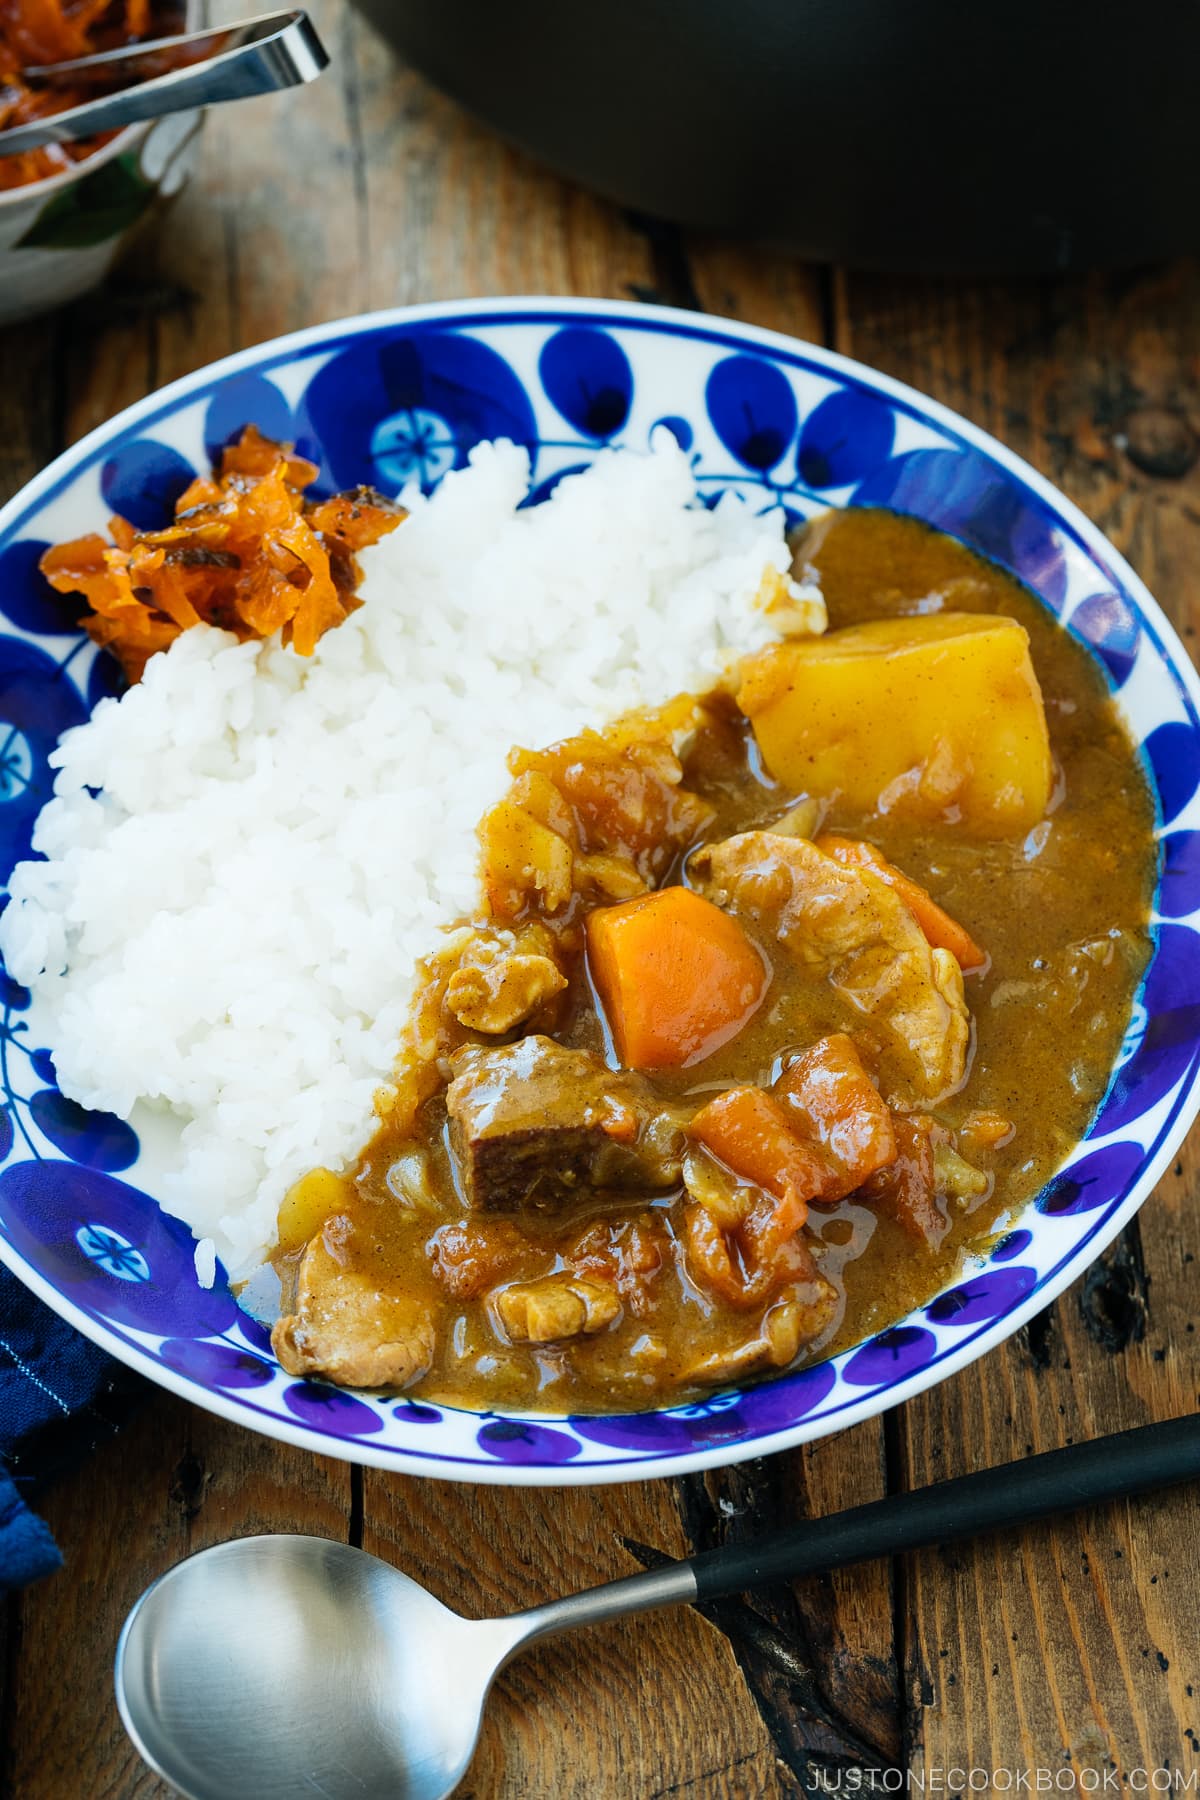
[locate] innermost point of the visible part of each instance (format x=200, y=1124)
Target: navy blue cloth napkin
x=60, y=1397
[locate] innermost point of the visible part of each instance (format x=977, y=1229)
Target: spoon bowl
x=273, y=1666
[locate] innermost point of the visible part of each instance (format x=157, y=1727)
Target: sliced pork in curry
x=846, y=926
x=349, y=1327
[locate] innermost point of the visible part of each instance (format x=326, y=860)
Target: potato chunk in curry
x=936, y=716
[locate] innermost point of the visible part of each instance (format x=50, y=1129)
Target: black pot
x=952, y=135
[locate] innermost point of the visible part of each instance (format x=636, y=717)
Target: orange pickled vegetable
x=833, y=1101
x=246, y=552
x=677, y=977
x=50, y=31
x=943, y=932
x=750, y=1133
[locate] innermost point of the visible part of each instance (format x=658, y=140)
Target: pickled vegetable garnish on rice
x=247, y=552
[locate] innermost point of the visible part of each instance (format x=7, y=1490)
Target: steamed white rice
x=246, y=853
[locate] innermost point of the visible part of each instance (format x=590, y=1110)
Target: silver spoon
x=236, y=62
x=283, y=1668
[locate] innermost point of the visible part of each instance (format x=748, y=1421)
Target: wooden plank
x=1071, y=1646
x=10, y=1648
x=768, y=288
x=449, y=211
x=641, y=1708
x=29, y=402
x=174, y=1482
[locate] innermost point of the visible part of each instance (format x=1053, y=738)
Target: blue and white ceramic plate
x=378, y=400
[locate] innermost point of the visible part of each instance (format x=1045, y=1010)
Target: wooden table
x=1072, y=1649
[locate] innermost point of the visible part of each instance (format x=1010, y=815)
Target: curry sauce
x=534, y=1226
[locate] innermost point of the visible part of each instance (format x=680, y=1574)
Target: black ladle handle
x=1109, y=1468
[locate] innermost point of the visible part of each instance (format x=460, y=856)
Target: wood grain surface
x=1072, y=1649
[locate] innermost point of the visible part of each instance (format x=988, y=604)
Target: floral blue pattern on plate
x=399, y=395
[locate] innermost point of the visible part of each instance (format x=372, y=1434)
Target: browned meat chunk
x=533, y=1125
x=557, y=1307
x=907, y=1188
x=345, y=1327
x=926, y=1179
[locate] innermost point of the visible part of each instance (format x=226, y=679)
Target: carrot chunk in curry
x=750, y=1133
x=832, y=1100
x=677, y=977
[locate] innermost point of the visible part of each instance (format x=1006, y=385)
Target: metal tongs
x=171, y=74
